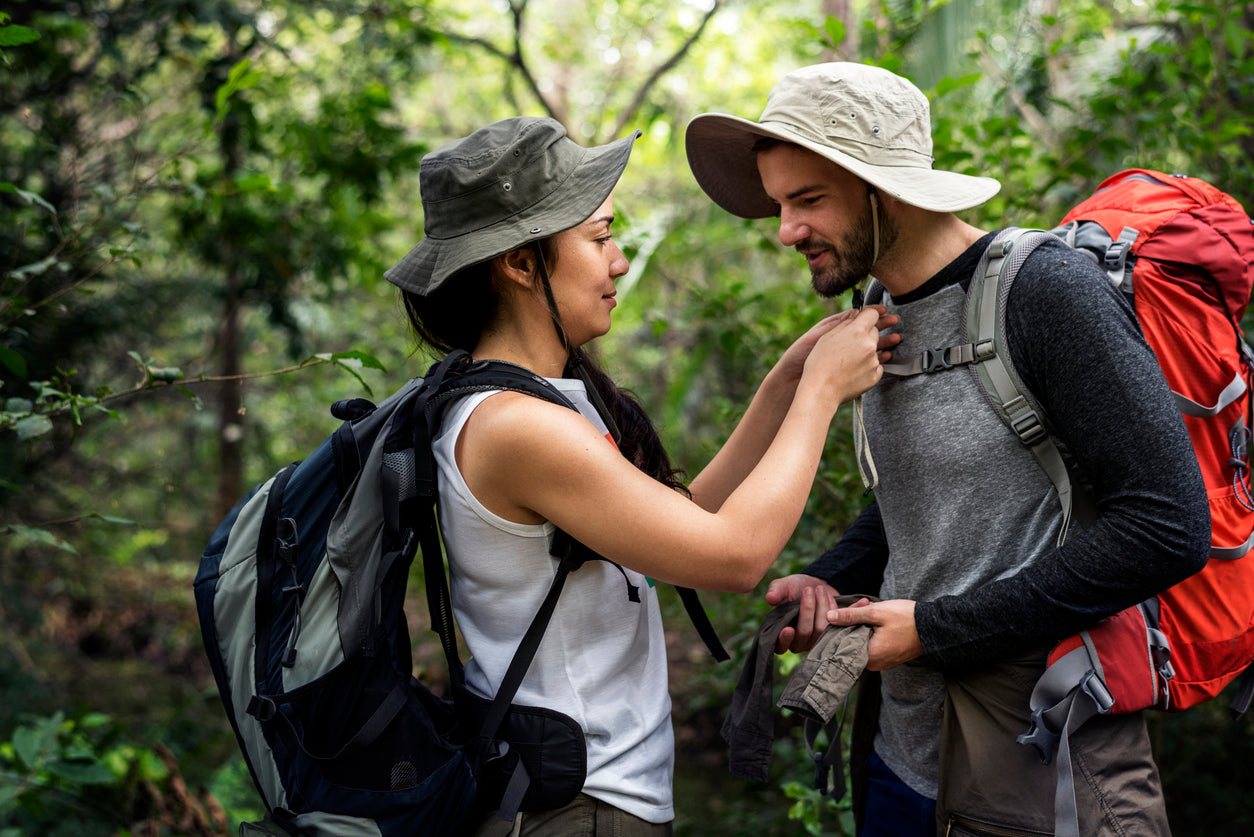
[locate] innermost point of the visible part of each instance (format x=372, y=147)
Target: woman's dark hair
x=454, y=316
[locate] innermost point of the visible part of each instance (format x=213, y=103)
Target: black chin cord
x=575, y=357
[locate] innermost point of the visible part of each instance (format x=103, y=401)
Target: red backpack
x=1183, y=251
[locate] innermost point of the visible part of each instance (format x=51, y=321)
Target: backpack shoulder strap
x=986, y=331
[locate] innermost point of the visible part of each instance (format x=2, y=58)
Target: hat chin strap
x=875, y=227
x=875, y=242
x=548, y=295
x=862, y=450
x=574, y=357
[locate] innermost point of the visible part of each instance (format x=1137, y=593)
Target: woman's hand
x=792, y=362
x=845, y=359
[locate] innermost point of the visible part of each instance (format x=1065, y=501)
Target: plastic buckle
x=1096, y=689
x=1028, y=428
x=262, y=708
x=935, y=360
x=1041, y=737
x=1116, y=255
x=820, y=774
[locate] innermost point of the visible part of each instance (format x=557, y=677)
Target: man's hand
x=817, y=597
x=894, y=640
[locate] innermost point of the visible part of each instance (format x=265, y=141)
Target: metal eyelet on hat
x=535, y=230
x=507, y=185
x=875, y=129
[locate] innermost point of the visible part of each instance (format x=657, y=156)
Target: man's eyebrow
x=796, y=193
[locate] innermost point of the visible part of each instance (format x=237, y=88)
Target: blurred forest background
x=198, y=199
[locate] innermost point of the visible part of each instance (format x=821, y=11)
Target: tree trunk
x=231, y=400
x=231, y=403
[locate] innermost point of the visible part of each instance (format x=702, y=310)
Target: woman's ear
x=518, y=266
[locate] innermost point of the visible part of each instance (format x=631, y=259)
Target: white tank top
x=603, y=658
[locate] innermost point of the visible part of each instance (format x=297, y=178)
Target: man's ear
x=518, y=266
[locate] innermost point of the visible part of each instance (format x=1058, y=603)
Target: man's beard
x=852, y=260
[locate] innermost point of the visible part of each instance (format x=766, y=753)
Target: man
x=966, y=540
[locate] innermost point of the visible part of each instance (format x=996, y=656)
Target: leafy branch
x=33, y=417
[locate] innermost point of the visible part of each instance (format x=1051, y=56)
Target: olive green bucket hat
x=513, y=182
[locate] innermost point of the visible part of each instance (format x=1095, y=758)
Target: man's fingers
x=860, y=612
x=784, y=641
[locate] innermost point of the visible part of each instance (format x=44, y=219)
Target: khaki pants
x=990, y=784
x=585, y=817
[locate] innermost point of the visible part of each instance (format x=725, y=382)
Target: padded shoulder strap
x=986, y=330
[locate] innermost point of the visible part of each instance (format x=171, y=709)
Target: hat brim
x=721, y=156
x=431, y=261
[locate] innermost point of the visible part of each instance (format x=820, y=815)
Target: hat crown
x=494, y=174
x=869, y=113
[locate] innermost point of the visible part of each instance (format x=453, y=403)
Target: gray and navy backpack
x=300, y=596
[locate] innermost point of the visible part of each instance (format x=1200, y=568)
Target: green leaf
x=26, y=744
x=254, y=183
x=238, y=79
x=25, y=535
x=151, y=767
x=16, y=35
x=81, y=773
x=13, y=361
x=118, y=761
x=31, y=426
x=835, y=28
x=193, y=397
x=949, y=84
x=368, y=361
x=29, y=197
x=120, y=521
x=164, y=373
x=348, y=364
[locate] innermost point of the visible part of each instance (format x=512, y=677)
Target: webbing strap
x=1230, y=393
x=519, y=780
x=986, y=313
x=1068, y=694
x=265, y=709
x=1115, y=260
x=515, y=790
x=527, y=648
x=828, y=762
x=1232, y=553
x=267, y=567
x=939, y=359
x=1245, y=693
x=701, y=621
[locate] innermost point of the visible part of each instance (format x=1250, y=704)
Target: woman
x=519, y=264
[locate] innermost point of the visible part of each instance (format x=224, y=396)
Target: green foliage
x=73, y=776
x=170, y=168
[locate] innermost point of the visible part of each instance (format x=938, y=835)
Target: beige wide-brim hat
x=510, y=183
x=867, y=120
